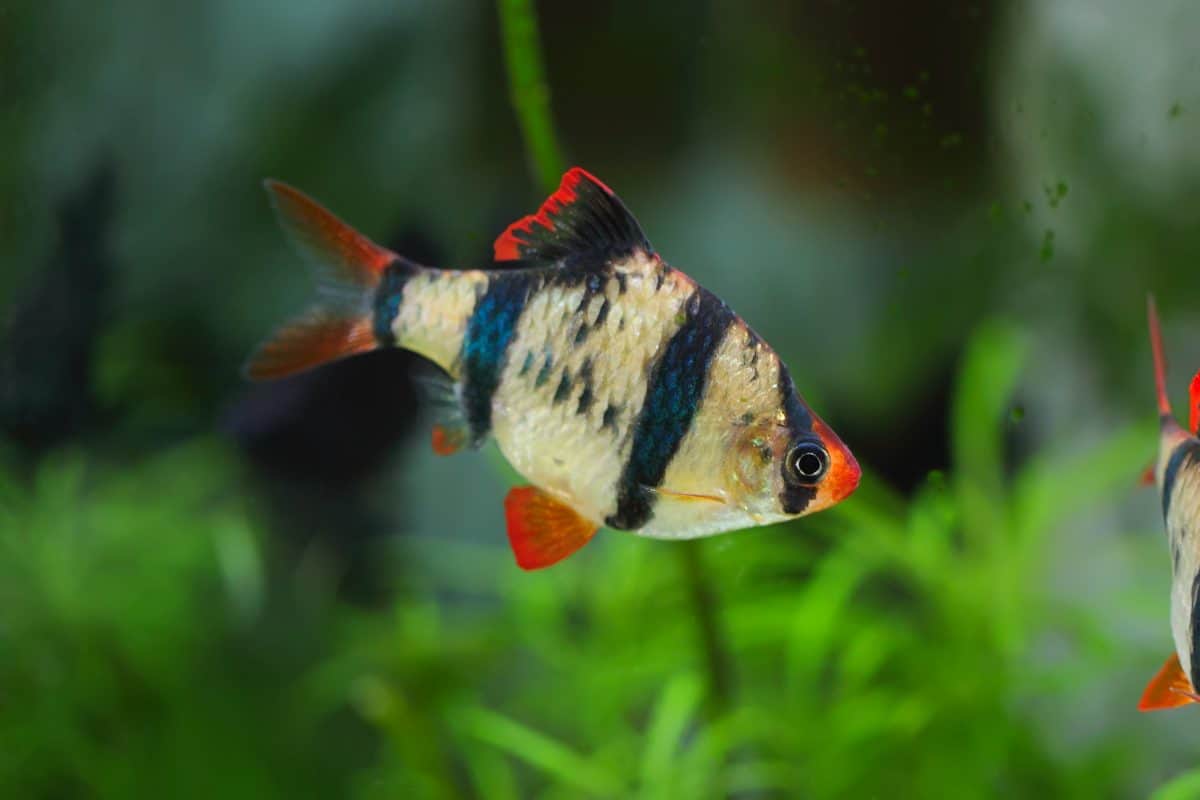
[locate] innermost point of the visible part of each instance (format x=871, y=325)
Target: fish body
x=1177, y=477
x=625, y=393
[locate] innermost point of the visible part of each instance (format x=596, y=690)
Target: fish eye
x=807, y=462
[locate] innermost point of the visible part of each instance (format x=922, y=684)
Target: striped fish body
x=626, y=394
x=1177, y=477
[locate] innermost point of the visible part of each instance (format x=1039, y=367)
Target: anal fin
x=1169, y=688
x=541, y=529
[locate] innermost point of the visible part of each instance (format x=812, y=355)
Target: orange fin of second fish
x=1194, y=403
x=541, y=529
x=1169, y=688
x=1147, y=477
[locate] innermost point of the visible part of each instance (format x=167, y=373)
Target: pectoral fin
x=685, y=496
x=1169, y=688
x=541, y=529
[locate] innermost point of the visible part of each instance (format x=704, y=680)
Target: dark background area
x=945, y=217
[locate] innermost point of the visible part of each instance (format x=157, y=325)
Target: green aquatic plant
x=149, y=642
x=861, y=659
x=529, y=90
x=158, y=639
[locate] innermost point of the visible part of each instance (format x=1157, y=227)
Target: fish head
x=790, y=465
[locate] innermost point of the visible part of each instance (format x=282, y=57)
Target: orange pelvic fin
x=1147, y=477
x=541, y=529
x=1169, y=688
x=449, y=439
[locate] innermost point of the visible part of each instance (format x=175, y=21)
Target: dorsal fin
x=1160, y=361
x=582, y=219
x=1194, y=403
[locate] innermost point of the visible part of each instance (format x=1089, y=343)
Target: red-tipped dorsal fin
x=582, y=218
x=1169, y=688
x=310, y=342
x=1194, y=403
x=1160, y=362
x=542, y=530
x=324, y=240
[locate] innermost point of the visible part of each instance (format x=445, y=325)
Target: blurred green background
x=944, y=215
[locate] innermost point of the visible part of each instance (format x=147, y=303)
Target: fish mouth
x=844, y=472
x=844, y=480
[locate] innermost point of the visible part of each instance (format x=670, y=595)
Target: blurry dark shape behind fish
x=317, y=440
x=46, y=393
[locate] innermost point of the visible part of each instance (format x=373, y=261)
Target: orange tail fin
x=349, y=266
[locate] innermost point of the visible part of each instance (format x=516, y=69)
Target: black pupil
x=809, y=464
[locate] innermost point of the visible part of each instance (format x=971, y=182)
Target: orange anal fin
x=1169, y=688
x=1194, y=403
x=310, y=342
x=449, y=439
x=541, y=529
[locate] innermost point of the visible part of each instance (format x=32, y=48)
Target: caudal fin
x=349, y=267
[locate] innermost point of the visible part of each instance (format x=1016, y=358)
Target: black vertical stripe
x=673, y=394
x=388, y=298
x=795, y=497
x=490, y=331
x=1194, y=666
x=1188, y=450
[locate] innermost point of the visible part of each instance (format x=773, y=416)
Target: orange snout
x=844, y=472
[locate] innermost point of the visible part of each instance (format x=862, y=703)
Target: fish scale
x=550, y=443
